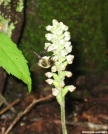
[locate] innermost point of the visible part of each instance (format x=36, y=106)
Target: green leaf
x=13, y=61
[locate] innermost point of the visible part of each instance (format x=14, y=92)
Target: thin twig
x=28, y=108
x=9, y=106
x=2, y=98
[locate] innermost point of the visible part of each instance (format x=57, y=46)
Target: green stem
x=62, y=106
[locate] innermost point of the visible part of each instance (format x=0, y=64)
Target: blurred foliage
x=88, y=24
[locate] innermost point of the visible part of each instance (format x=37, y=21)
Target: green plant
x=11, y=58
x=60, y=46
x=13, y=61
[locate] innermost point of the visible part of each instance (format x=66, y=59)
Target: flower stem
x=62, y=106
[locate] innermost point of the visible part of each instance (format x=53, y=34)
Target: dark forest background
x=88, y=25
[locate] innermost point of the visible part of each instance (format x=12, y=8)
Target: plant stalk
x=63, y=121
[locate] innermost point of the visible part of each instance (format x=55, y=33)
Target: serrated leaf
x=13, y=61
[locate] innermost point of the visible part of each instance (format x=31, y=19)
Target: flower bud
x=55, y=91
x=55, y=23
x=52, y=47
x=63, y=67
x=70, y=58
x=55, y=58
x=62, y=41
x=69, y=49
x=67, y=44
x=64, y=27
x=48, y=28
x=49, y=81
x=66, y=33
x=71, y=88
x=53, y=69
x=64, y=52
x=47, y=45
x=48, y=74
x=48, y=36
x=67, y=38
x=62, y=84
x=68, y=74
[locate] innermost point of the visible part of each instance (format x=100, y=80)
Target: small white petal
x=71, y=88
x=55, y=91
x=67, y=33
x=68, y=74
x=54, y=36
x=62, y=84
x=55, y=23
x=69, y=49
x=52, y=47
x=59, y=32
x=62, y=41
x=63, y=67
x=67, y=38
x=54, y=58
x=64, y=52
x=70, y=62
x=67, y=44
x=49, y=81
x=47, y=45
x=53, y=69
x=48, y=74
x=64, y=27
x=70, y=58
x=48, y=37
x=48, y=28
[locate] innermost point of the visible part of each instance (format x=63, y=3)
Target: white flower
x=48, y=74
x=54, y=37
x=53, y=69
x=55, y=58
x=70, y=58
x=62, y=84
x=60, y=45
x=48, y=28
x=59, y=32
x=49, y=36
x=70, y=62
x=55, y=91
x=55, y=23
x=64, y=27
x=69, y=49
x=47, y=45
x=63, y=67
x=62, y=41
x=49, y=81
x=52, y=47
x=71, y=88
x=67, y=38
x=67, y=44
x=68, y=74
x=64, y=52
x=66, y=34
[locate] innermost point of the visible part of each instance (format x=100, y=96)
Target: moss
x=87, y=27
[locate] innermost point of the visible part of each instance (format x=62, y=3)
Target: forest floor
x=86, y=108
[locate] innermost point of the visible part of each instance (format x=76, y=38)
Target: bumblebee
x=44, y=61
